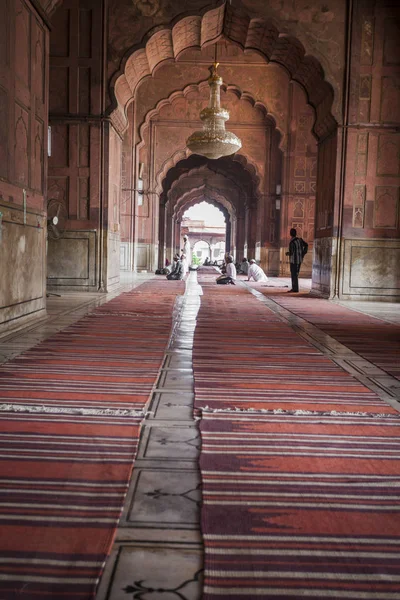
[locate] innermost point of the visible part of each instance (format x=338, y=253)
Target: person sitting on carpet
x=244, y=267
x=230, y=273
x=255, y=272
x=178, y=271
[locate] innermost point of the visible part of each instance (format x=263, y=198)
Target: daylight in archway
x=205, y=226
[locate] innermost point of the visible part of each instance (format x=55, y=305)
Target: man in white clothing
x=230, y=275
x=187, y=252
x=255, y=272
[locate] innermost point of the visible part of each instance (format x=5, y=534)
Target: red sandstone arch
x=250, y=34
x=246, y=96
x=181, y=155
x=203, y=193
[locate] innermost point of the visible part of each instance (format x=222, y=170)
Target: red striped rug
x=374, y=339
x=71, y=411
x=246, y=356
x=301, y=507
x=299, y=461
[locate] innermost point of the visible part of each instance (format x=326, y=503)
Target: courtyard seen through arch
x=205, y=226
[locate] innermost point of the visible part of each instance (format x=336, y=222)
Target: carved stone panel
x=59, y=89
x=59, y=146
x=386, y=207
x=38, y=61
x=22, y=43
x=21, y=145
x=84, y=145
x=300, y=187
x=300, y=166
x=364, y=100
x=4, y=45
x=59, y=44
x=390, y=100
x=367, y=41
x=85, y=33
x=3, y=133
x=38, y=157
x=83, y=200
x=391, y=42
x=58, y=189
x=359, y=195
x=84, y=90
x=298, y=209
x=362, y=154
x=388, y=160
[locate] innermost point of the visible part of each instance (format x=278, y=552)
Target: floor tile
x=169, y=498
x=172, y=407
x=152, y=573
x=170, y=442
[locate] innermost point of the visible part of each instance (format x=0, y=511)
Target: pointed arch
x=224, y=22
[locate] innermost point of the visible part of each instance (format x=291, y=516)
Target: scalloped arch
x=193, y=87
x=174, y=194
x=196, y=195
x=250, y=34
x=169, y=164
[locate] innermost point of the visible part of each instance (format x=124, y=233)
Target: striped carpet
x=300, y=463
x=71, y=410
x=375, y=340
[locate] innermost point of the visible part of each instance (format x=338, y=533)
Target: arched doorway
x=205, y=225
x=157, y=93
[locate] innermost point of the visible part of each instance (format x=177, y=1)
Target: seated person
x=178, y=271
x=255, y=272
x=207, y=262
x=167, y=269
x=230, y=276
x=244, y=266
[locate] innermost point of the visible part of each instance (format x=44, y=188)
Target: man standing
x=297, y=251
x=186, y=251
x=255, y=272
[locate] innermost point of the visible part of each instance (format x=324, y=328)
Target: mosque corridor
x=158, y=547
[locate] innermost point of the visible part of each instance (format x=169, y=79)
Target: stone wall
x=370, y=228
x=24, y=42
x=299, y=179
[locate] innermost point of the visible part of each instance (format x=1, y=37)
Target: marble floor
x=157, y=552
x=158, y=548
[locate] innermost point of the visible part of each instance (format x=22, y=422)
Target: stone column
x=85, y=165
x=24, y=48
x=368, y=221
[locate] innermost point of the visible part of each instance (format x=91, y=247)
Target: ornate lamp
x=214, y=141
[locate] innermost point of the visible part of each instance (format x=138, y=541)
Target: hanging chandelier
x=214, y=141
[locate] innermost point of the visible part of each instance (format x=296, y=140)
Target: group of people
x=297, y=250
x=251, y=269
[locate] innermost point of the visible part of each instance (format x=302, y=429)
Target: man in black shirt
x=297, y=251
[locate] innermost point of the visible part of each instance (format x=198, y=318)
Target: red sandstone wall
x=371, y=228
x=23, y=161
x=84, y=167
x=300, y=177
